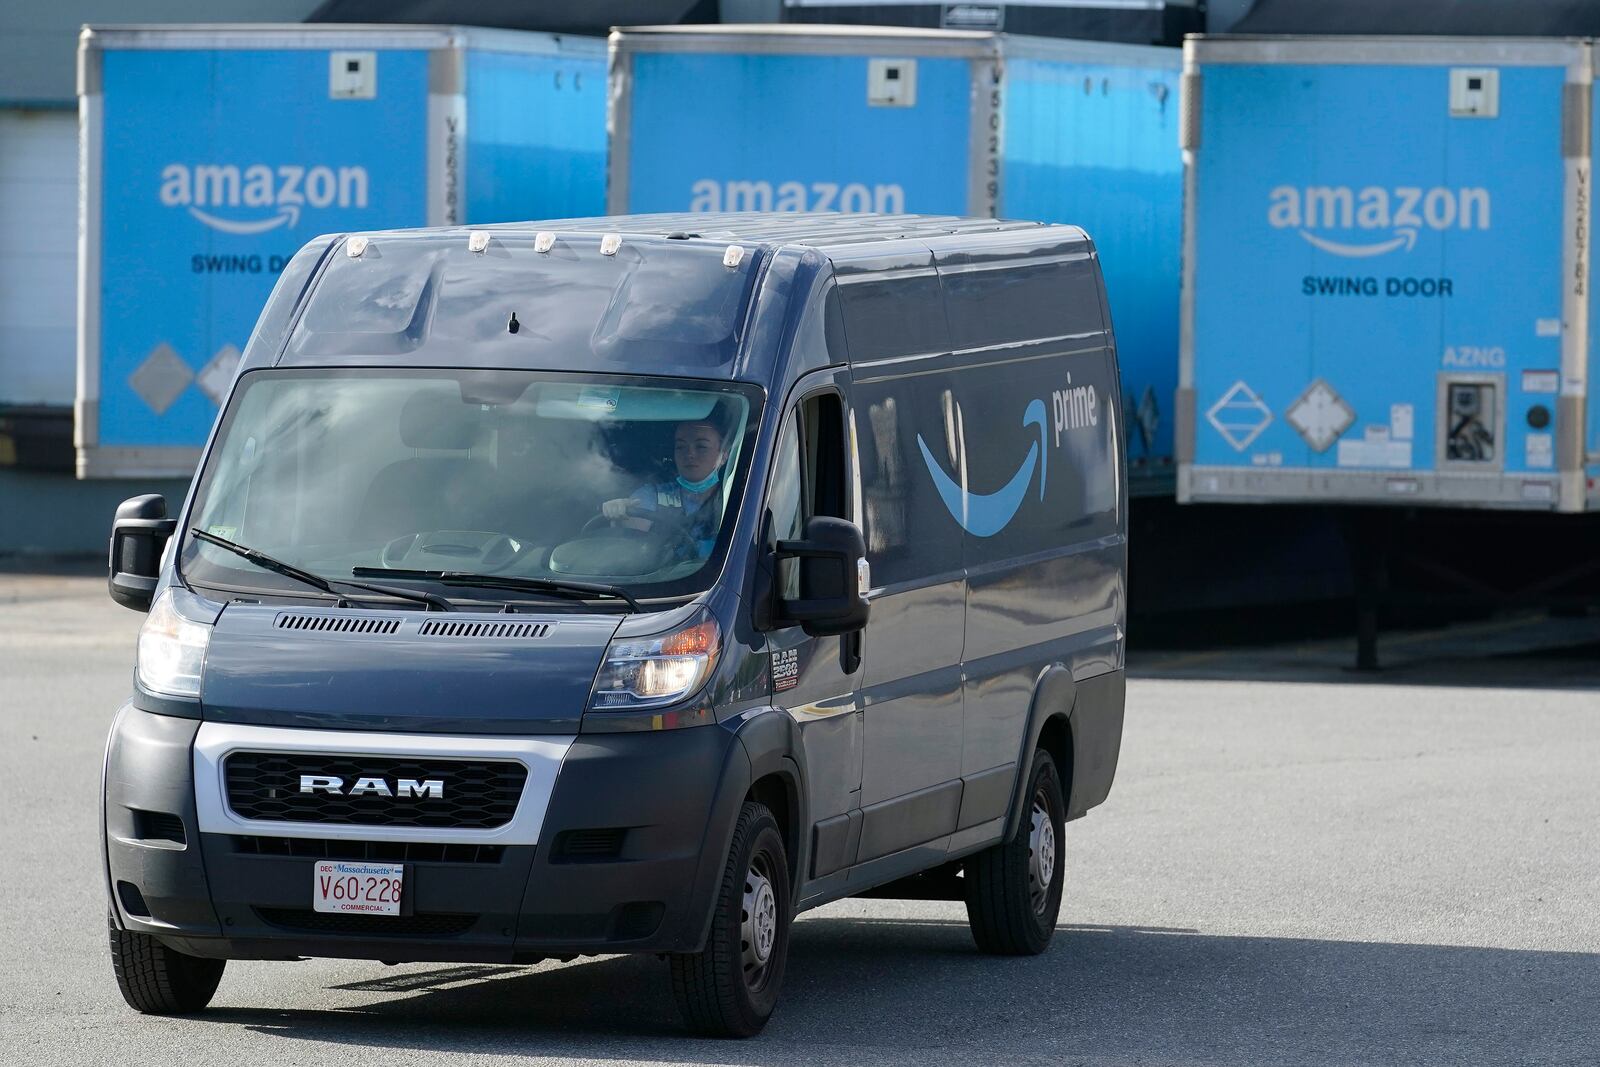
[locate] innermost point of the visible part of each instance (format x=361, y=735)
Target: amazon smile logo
x=1374, y=220
x=986, y=514
x=257, y=198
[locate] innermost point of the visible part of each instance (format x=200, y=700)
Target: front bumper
x=656, y=811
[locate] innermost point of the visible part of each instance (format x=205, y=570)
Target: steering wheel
x=608, y=546
x=616, y=526
x=668, y=534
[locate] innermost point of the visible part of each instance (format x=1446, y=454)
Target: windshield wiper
x=431, y=600
x=556, y=586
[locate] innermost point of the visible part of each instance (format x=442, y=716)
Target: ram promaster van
x=627, y=585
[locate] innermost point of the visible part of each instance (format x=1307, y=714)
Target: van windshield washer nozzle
x=513, y=326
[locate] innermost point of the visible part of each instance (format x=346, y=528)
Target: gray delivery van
x=627, y=585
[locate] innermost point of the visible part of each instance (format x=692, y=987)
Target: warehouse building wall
x=39, y=38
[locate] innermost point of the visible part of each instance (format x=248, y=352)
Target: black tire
x=727, y=989
x=1011, y=905
x=158, y=980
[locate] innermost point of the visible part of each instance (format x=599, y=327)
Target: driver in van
x=692, y=501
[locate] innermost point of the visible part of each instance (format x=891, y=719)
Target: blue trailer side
x=536, y=142
x=196, y=212
x=210, y=155
x=1092, y=140
x=718, y=121
x=928, y=121
x=1372, y=325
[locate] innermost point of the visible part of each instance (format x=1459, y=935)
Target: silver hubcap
x=1041, y=855
x=758, y=924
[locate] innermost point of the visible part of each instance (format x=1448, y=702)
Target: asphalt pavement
x=1297, y=866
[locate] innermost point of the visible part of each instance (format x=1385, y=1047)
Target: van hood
x=403, y=671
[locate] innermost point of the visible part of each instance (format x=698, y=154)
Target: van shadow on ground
x=863, y=991
x=1526, y=650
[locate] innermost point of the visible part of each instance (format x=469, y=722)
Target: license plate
x=357, y=888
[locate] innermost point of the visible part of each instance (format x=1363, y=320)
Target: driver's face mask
x=703, y=484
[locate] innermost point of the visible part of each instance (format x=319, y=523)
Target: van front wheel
x=1014, y=887
x=158, y=980
x=729, y=988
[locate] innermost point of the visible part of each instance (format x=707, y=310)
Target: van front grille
x=476, y=794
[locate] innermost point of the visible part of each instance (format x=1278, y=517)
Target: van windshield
x=600, y=479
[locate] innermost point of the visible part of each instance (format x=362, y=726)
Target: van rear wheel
x=158, y=980
x=1014, y=887
x=730, y=988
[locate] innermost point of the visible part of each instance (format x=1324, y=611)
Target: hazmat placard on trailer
x=1240, y=416
x=1320, y=415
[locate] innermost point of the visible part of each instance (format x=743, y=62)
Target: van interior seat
x=430, y=492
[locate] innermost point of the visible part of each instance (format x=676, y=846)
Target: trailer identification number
x=1474, y=356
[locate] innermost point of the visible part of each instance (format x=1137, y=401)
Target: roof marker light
x=610, y=243
x=733, y=256
x=477, y=240
x=356, y=248
x=544, y=241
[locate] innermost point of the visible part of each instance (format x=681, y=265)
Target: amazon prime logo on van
x=257, y=198
x=986, y=514
x=1373, y=220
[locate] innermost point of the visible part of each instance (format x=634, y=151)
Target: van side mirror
x=833, y=570
x=138, y=537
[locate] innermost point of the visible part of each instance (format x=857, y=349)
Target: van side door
x=911, y=688
x=816, y=678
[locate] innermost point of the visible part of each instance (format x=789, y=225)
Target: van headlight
x=652, y=672
x=172, y=650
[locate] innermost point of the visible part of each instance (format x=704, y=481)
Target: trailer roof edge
x=1384, y=51
x=794, y=38
x=304, y=35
